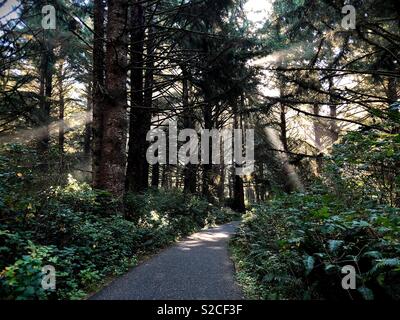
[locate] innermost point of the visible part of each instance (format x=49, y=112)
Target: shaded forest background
x=76, y=104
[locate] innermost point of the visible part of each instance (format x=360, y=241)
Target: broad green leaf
x=309, y=264
x=366, y=293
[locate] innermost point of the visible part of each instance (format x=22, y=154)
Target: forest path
x=197, y=267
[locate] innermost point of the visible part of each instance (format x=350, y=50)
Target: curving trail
x=196, y=268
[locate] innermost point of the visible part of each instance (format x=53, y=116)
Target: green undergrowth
x=295, y=246
x=80, y=232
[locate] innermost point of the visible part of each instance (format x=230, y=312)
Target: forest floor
x=198, y=267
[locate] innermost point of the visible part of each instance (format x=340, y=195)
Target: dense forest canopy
x=89, y=88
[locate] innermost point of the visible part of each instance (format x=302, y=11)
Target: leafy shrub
x=366, y=166
x=23, y=278
x=79, y=231
x=294, y=247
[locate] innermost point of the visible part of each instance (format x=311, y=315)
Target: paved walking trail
x=196, y=268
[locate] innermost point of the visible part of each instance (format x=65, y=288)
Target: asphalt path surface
x=196, y=268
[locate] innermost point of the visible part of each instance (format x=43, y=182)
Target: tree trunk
x=155, y=175
x=140, y=118
x=88, y=125
x=148, y=99
x=392, y=85
x=333, y=129
x=98, y=91
x=46, y=88
x=113, y=157
x=189, y=172
x=238, y=198
x=238, y=191
x=207, y=167
x=61, y=125
x=221, y=182
x=318, y=137
x=165, y=178
x=282, y=115
x=283, y=125
x=317, y=129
